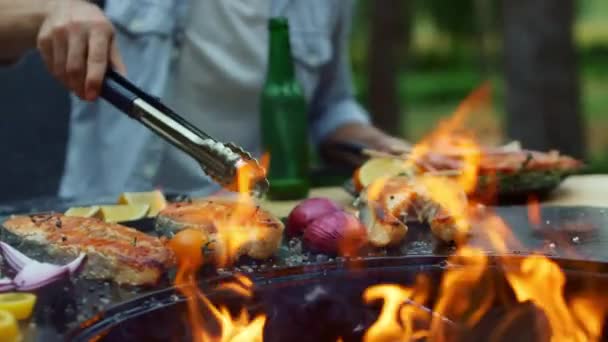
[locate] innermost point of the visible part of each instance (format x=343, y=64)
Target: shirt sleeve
x=333, y=103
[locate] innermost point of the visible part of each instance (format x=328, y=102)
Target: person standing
x=207, y=60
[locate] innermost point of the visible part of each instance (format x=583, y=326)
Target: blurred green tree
x=389, y=42
x=542, y=75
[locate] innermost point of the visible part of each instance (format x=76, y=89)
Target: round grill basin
x=323, y=303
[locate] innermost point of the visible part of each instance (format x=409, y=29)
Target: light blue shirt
x=109, y=153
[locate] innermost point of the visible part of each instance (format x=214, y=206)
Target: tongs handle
x=220, y=161
x=120, y=92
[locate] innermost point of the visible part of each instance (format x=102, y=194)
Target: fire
x=541, y=281
x=235, y=235
x=458, y=296
x=468, y=290
x=450, y=196
x=402, y=312
x=452, y=139
x=534, y=214
x=232, y=237
x=232, y=329
x=387, y=327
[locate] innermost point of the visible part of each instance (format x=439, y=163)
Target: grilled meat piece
x=503, y=162
x=114, y=252
x=387, y=205
x=259, y=232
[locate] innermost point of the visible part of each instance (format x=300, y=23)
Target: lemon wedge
x=377, y=168
x=83, y=211
x=20, y=305
x=155, y=199
x=123, y=212
x=9, y=331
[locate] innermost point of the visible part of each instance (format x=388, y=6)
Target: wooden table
x=589, y=190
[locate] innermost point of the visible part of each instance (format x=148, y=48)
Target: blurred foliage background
x=445, y=49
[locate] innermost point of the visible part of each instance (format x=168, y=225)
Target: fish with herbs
x=259, y=233
x=113, y=252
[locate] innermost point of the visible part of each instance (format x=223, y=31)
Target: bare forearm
x=20, y=22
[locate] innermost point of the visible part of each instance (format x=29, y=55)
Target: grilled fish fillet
x=114, y=252
x=257, y=232
x=384, y=210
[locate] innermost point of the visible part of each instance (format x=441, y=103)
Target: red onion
x=15, y=259
x=75, y=265
x=36, y=275
x=33, y=274
x=337, y=232
x=6, y=284
x=307, y=211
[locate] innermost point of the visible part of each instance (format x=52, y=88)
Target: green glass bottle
x=284, y=119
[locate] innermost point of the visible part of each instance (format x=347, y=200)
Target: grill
x=80, y=309
x=324, y=303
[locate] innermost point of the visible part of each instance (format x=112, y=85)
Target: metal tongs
x=220, y=161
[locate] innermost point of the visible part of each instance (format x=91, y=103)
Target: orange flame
x=403, y=309
x=232, y=237
x=387, y=327
x=534, y=211
x=541, y=281
x=452, y=139
x=235, y=236
x=467, y=290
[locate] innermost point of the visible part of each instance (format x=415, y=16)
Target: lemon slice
x=377, y=168
x=20, y=305
x=9, y=331
x=155, y=199
x=83, y=211
x=124, y=212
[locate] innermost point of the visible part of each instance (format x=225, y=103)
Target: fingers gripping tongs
x=224, y=163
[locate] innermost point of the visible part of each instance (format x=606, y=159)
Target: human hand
x=364, y=135
x=76, y=42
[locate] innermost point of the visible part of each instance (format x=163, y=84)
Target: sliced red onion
x=6, y=284
x=7, y=288
x=74, y=265
x=15, y=259
x=37, y=274
x=33, y=274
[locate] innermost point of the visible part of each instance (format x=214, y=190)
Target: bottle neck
x=280, y=63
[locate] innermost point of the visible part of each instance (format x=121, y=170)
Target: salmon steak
x=259, y=233
x=114, y=252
